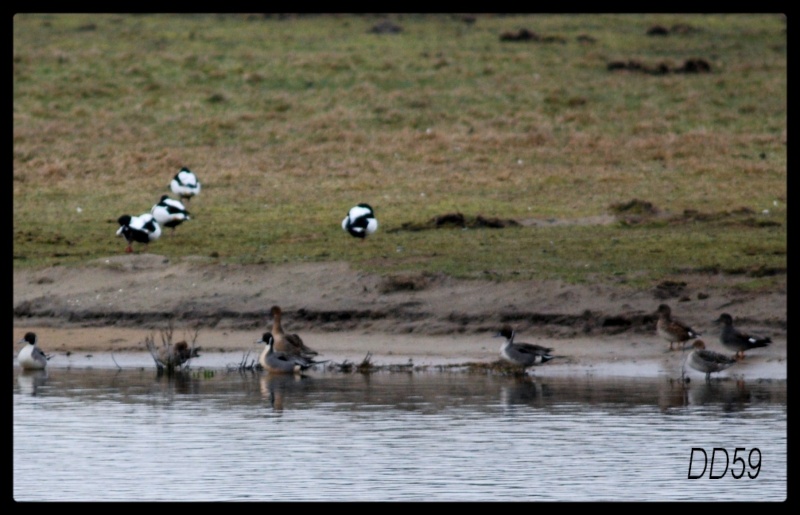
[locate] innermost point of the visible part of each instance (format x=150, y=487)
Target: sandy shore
x=602, y=356
x=111, y=305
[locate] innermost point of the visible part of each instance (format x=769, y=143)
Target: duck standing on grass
x=31, y=357
x=522, y=354
x=360, y=221
x=169, y=212
x=185, y=184
x=707, y=361
x=142, y=229
x=290, y=344
x=738, y=341
x=673, y=330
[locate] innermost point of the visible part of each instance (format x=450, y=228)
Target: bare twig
x=244, y=365
x=171, y=356
x=365, y=365
x=150, y=343
x=115, y=361
x=166, y=334
x=195, y=334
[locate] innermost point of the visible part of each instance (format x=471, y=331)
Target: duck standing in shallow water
x=360, y=221
x=169, y=212
x=288, y=343
x=707, y=361
x=522, y=354
x=282, y=362
x=185, y=184
x=178, y=354
x=672, y=330
x=31, y=357
x=142, y=229
x=738, y=341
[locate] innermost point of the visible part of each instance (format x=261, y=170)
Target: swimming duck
x=736, y=340
x=169, y=212
x=523, y=354
x=288, y=343
x=707, y=361
x=143, y=229
x=282, y=362
x=671, y=329
x=360, y=221
x=31, y=356
x=185, y=184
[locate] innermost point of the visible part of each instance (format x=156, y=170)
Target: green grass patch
x=289, y=121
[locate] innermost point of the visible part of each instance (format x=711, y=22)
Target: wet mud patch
x=526, y=35
x=404, y=282
x=457, y=221
x=689, y=66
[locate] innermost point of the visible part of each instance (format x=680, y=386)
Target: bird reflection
x=275, y=386
x=523, y=390
x=30, y=381
x=732, y=395
x=674, y=393
x=178, y=381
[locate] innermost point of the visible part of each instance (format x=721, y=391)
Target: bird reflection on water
x=30, y=381
x=391, y=420
x=276, y=387
x=525, y=391
x=733, y=395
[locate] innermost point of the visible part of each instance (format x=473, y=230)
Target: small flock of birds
x=670, y=329
x=167, y=212
x=146, y=228
x=701, y=359
x=287, y=353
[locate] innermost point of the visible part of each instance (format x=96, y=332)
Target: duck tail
x=762, y=342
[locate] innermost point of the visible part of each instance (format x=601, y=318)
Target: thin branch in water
x=115, y=361
x=365, y=365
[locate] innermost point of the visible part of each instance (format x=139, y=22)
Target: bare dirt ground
x=113, y=304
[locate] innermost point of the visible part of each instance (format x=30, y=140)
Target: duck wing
x=533, y=349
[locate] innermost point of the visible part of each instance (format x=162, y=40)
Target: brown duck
x=290, y=344
x=671, y=329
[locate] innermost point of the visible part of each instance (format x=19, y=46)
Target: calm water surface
x=103, y=434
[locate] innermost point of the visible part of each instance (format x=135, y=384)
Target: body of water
x=103, y=434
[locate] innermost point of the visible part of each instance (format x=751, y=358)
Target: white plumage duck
x=185, y=184
x=143, y=229
x=31, y=357
x=169, y=212
x=360, y=221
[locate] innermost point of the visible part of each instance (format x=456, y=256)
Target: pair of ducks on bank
x=285, y=353
x=700, y=358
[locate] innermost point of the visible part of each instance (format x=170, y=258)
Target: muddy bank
x=150, y=291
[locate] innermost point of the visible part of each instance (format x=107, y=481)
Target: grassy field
x=290, y=120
